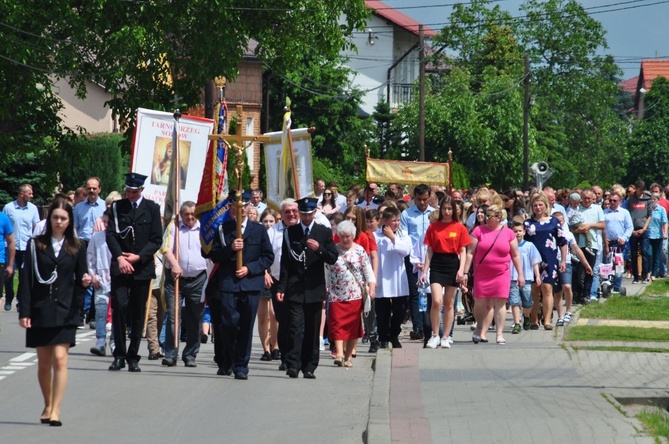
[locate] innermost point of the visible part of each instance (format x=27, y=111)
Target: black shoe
x=266, y=357
x=276, y=354
x=203, y=338
x=383, y=344
x=155, y=356
x=292, y=373
x=416, y=335
x=396, y=343
x=55, y=423
x=170, y=362
x=373, y=347
x=241, y=375
x=133, y=366
x=308, y=375
x=283, y=367
x=224, y=372
x=190, y=363
x=118, y=364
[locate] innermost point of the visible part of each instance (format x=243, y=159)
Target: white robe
x=392, y=279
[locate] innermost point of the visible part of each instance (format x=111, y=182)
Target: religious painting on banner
x=277, y=167
x=152, y=153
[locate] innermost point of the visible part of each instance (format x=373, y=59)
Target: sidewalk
x=533, y=389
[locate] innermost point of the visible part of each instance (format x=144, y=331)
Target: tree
x=146, y=53
x=649, y=141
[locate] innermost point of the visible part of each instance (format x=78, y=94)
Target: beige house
x=89, y=114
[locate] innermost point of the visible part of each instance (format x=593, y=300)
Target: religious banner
x=278, y=185
x=152, y=147
x=406, y=172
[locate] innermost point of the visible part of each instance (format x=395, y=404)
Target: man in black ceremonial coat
x=134, y=234
x=307, y=247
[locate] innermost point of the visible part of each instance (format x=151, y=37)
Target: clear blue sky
x=635, y=29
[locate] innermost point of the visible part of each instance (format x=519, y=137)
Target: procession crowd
x=322, y=271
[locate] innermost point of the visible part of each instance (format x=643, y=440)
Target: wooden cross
x=237, y=138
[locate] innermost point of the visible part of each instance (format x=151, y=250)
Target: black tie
x=306, y=232
x=134, y=205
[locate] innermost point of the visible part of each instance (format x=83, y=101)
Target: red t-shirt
x=447, y=237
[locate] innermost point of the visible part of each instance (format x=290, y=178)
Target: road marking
x=6, y=372
x=23, y=357
x=11, y=367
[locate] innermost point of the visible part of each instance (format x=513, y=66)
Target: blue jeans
x=595, y=274
x=656, y=256
x=663, y=259
x=101, y=304
x=416, y=315
x=518, y=296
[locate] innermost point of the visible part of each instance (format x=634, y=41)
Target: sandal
x=501, y=340
x=476, y=338
x=548, y=327
x=339, y=361
x=534, y=326
x=348, y=364
x=484, y=340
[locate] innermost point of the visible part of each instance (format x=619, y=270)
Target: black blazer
x=257, y=254
x=60, y=303
x=305, y=281
x=148, y=236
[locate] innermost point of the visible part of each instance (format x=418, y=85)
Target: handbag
x=367, y=306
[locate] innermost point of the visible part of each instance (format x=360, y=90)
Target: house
x=89, y=114
x=650, y=70
x=386, y=64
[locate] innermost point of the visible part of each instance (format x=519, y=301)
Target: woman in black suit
x=52, y=294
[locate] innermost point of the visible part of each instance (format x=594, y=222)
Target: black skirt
x=44, y=336
x=444, y=268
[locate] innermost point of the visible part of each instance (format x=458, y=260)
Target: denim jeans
x=639, y=245
x=101, y=304
x=656, y=256
x=595, y=274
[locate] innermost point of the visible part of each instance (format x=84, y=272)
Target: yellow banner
x=397, y=171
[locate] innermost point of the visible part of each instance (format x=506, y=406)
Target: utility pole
x=421, y=95
x=526, y=125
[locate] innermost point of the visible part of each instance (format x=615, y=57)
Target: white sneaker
x=433, y=342
x=445, y=342
x=567, y=317
x=322, y=345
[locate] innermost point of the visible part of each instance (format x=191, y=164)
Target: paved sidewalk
x=533, y=389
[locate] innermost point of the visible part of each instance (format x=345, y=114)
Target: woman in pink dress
x=492, y=246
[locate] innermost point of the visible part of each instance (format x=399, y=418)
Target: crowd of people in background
x=323, y=271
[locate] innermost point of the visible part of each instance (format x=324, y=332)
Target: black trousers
x=129, y=298
x=582, y=282
x=303, y=348
x=389, y=316
x=283, y=319
x=236, y=318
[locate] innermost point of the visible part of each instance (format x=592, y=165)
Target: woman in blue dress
x=545, y=232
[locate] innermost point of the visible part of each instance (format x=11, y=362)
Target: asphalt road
x=180, y=404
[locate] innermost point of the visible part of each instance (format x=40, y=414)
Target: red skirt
x=344, y=320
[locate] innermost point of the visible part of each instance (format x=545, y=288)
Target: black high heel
x=54, y=423
x=44, y=420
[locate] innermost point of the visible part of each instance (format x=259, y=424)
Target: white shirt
x=392, y=279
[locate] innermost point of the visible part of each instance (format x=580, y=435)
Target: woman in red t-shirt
x=446, y=241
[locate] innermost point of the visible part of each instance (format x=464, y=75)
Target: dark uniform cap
x=134, y=181
x=246, y=196
x=307, y=204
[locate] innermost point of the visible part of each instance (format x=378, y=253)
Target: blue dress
x=548, y=237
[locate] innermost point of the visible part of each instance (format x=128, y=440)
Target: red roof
x=629, y=85
x=650, y=69
x=396, y=17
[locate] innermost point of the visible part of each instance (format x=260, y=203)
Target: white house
x=386, y=63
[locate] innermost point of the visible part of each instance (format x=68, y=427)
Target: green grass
x=622, y=348
x=656, y=422
x=645, y=308
x=606, y=333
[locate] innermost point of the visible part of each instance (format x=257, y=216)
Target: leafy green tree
x=649, y=141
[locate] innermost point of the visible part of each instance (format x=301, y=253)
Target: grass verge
x=606, y=333
x=656, y=422
x=646, y=308
x=622, y=348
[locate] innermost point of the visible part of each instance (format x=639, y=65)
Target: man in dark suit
x=235, y=305
x=307, y=247
x=134, y=234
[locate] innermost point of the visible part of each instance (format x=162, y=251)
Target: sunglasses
x=490, y=216
x=327, y=194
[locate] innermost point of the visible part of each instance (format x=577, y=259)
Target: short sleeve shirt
x=447, y=237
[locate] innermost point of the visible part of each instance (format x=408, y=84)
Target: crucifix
x=237, y=141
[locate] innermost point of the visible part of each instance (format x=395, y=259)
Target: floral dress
x=342, y=286
x=548, y=237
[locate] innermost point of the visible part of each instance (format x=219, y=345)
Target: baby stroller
x=468, y=304
x=610, y=271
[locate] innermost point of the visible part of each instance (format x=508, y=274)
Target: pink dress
x=492, y=276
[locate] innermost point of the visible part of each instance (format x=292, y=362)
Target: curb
x=378, y=424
